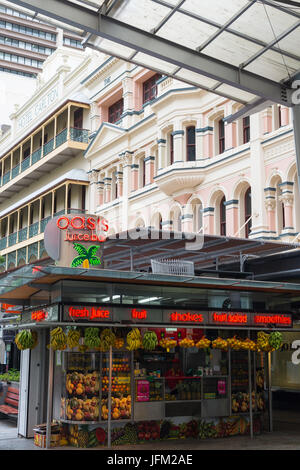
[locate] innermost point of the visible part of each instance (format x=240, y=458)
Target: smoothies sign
x=75, y=240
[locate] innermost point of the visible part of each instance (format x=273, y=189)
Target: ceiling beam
x=111, y=29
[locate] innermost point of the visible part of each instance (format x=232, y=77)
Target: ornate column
x=209, y=220
x=285, y=115
x=270, y=204
x=207, y=132
x=125, y=161
x=259, y=222
x=149, y=167
x=94, y=117
x=107, y=186
x=230, y=129
x=134, y=177
x=93, y=179
x=127, y=84
x=100, y=192
x=267, y=120
x=232, y=222
x=287, y=198
x=187, y=219
x=199, y=139
x=162, y=143
x=119, y=181
x=178, y=139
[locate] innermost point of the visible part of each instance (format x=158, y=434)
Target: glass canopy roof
x=247, y=50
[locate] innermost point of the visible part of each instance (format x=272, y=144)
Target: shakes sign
x=75, y=240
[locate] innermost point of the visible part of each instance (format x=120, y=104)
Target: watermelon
x=100, y=435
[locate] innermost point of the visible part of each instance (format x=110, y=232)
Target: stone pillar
x=134, y=177
x=162, y=161
x=230, y=129
x=267, y=120
x=287, y=198
x=128, y=101
x=285, y=115
x=207, y=136
x=259, y=223
x=149, y=168
x=178, y=139
x=270, y=204
x=100, y=193
x=209, y=220
x=125, y=160
x=186, y=221
x=232, y=218
x=119, y=182
x=199, y=140
x=93, y=179
x=107, y=186
x=94, y=117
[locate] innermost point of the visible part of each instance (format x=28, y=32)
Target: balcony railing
x=12, y=239
x=44, y=223
x=6, y=178
x=3, y=243
x=48, y=147
x=23, y=233
x=15, y=171
x=79, y=135
x=34, y=229
x=36, y=156
x=76, y=135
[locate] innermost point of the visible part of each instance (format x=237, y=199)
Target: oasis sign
x=75, y=239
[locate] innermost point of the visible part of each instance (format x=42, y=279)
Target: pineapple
x=83, y=437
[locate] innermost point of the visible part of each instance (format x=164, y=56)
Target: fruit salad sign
x=75, y=240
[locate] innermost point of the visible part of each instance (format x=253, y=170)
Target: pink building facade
x=161, y=156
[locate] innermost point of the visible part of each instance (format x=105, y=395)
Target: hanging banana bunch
x=91, y=338
x=26, y=339
x=108, y=338
x=58, y=339
x=134, y=339
x=73, y=338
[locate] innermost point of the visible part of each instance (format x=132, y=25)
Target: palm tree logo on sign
x=86, y=256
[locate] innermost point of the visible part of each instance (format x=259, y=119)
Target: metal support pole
x=296, y=124
x=229, y=382
x=250, y=391
x=109, y=399
x=131, y=260
x=132, y=385
x=50, y=399
x=270, y=393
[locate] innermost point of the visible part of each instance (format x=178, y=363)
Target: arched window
x=191, y=143
x=247, y=205
x=222, y=216
x=246, y=129
x=221, y=136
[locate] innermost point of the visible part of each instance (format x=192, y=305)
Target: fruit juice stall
x=128, y=362
x=113, y=385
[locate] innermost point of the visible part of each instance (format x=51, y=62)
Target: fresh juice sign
x=88, y=313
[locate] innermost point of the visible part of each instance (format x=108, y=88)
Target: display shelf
x=67, y=421
x=184, y=401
